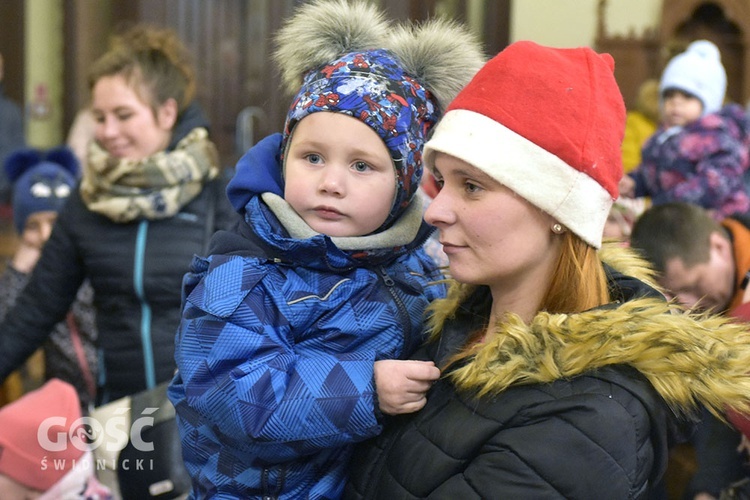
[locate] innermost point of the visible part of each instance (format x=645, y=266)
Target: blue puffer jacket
x=276, y=349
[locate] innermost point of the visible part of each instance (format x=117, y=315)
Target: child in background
x=41, y=183
x=699, y=154
x=289, y=328
x=46, y=466
x=640, y=123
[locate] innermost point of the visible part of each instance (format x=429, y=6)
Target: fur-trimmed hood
x=690, y=359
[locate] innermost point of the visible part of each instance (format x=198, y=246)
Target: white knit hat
x=698, y=71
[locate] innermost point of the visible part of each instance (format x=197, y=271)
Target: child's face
x=339, y=176
x=38, y=227
x=680, y=108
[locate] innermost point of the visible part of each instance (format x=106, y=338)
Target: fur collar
x=688, y=358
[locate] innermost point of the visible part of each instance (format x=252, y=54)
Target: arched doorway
x=724, y=22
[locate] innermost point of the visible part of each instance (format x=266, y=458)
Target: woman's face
x=491, y=235
x=127, y=127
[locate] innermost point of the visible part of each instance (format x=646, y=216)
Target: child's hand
x=627, y=186
x=402, y=384
x=26, y=257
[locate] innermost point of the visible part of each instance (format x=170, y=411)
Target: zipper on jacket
x=403, y=312
x=264, y=483
x=138, y=264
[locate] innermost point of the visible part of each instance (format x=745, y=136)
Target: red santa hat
x=547, y=123
x=25, y=433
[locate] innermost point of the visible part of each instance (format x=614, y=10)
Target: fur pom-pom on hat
x=397, y=80
x=547, y=123
x=438, y=53
x=321, y=31
x=41, y=181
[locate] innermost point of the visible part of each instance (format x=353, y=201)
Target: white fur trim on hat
x=570, y=196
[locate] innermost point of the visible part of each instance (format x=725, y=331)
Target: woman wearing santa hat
x=565, y=372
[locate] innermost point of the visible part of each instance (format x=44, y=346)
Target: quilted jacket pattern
x=275, y=355
x=702, y=163
x=576, y=406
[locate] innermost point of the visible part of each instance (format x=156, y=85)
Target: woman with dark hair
x=150, y=195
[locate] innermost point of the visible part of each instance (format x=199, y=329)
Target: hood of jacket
x=273, y=230
x=689, y=359
x=190, y=118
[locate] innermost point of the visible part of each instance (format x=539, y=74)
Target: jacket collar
x=689, y=359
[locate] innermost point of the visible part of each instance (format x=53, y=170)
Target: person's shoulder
x=8, y=102
x=723, y=121
x=226, y=281
x=11, y=114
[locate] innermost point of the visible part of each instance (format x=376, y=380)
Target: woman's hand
x=402, y=385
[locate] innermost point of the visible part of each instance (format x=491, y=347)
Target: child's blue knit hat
x=41, y=181
x=699, y=72
x=397, y=80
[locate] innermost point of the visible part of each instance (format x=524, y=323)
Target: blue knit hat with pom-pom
x=41, y=181
x=345, y=57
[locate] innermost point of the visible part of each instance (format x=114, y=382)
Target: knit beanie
x=547, y=123
x=699, y=72
x=35, y=431
x=393, y=79
x=41, y=181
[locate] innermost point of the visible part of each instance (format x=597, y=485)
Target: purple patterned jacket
x=702, y=163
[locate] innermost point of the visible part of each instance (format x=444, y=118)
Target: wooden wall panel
x=12, y=47
x=232, y=42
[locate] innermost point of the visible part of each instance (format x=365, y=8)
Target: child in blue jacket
x=296, y=328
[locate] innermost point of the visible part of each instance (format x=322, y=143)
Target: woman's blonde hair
x=154, y=63
x=579, y=281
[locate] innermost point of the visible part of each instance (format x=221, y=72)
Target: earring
x=557, y=228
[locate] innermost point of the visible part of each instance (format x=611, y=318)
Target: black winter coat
x=136, y=271
x=581, y=406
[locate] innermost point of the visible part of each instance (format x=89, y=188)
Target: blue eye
x=361, y=166
x=314, y=158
